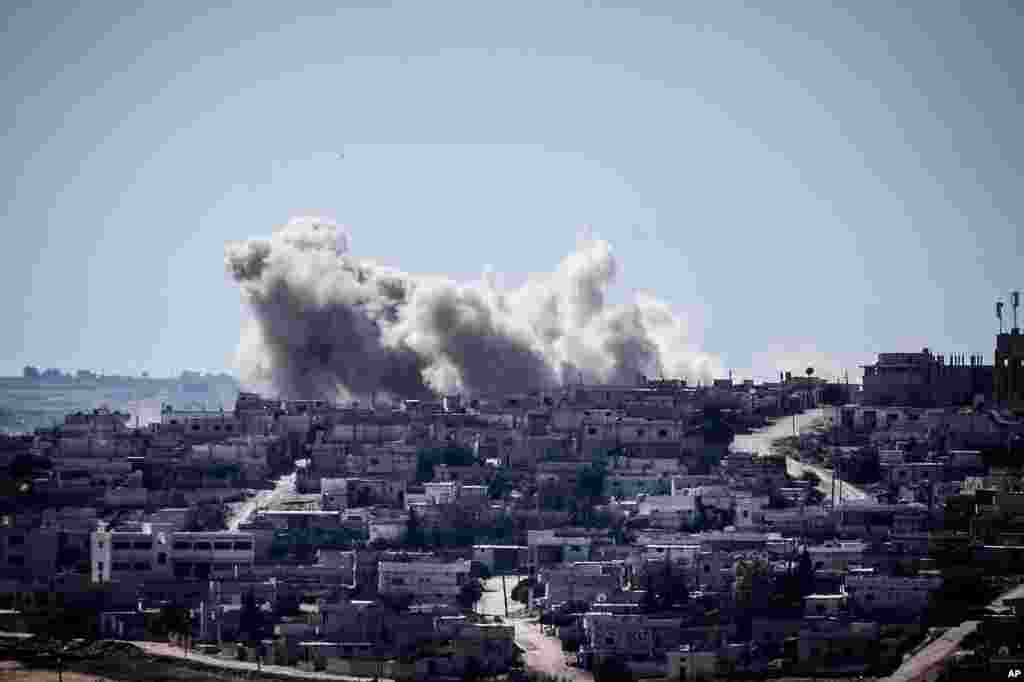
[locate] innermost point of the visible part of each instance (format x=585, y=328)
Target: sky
x=808, y=183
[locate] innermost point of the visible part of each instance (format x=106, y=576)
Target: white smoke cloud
x=327, y=324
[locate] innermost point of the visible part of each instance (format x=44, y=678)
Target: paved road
x=545, y=653
x=492, y=603
x=167, y=650
x=241, y=512
x=760, y=441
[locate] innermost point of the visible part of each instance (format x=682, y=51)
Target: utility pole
x=504, y=593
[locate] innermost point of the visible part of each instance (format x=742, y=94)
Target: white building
x=207, y=554
x=133, y=554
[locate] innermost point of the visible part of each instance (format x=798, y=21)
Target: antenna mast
x=1015, y=299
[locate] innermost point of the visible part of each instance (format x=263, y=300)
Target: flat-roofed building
x=210, y=554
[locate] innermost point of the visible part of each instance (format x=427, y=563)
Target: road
x=240, y=512
x=492, y=603
x=167, y=650
x=760, y=441
x=545, y=654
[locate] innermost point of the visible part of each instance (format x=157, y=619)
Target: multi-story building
x=210, y=554
x=870, y=592
x=131, y=553
x=28, y=550
x=926, y=380
x=426, y=578
x=1009, y=370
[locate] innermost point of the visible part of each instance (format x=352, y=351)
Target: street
x=171, y=651
x=492, y=603
x=240, y=512
x=760, y=441
x=545, y=654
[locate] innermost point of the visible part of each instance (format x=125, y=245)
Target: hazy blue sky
x=807, y=182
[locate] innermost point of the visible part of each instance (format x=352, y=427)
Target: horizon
x=792, y=186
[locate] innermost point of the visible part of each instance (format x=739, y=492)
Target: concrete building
x=926, y=380
x=205, y=555
x=426, y=578
x=829, y=643
x=872, y=593
x=31, y=551
x=1009, y=370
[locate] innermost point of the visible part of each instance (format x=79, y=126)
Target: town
x=656, y=531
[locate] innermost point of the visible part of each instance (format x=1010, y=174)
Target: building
x=205, y=555
x=1009, y=370
x=872, y=593
x=133, y=553
x=926, y=380
x=28, y=550
x=426, y=578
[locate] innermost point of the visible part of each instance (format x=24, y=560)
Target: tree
x=63, y=626
x=810, y=476
x=174, y=620
x=470, y=593
x=665, y=589
x=590, y=484
x=612, y=670
x=521, y=592
x=500, y=485
x=450, y=455
x=30, y=372
x=751, y=578
x=251, y=621
x=805, y=574
x=414, y=536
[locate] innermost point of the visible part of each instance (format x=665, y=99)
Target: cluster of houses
x=630, y=528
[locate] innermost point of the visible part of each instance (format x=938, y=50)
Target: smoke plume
x=327, y=324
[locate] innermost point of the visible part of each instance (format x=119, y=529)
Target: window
x=143, y=544
x=216, y=427
x=591, y=431
x=182, y=545
x=398, y=581
x=16, y=560
x=662, y=433
x=141, y=566
x=202, y=546
x=121, y=566
x=640, y=433
x=122, y=545
x=707, y=568
x=222, y=545
x=229, y=427
x=15, y=540
x=246, y=545
x=609, y=640
x=195, y=427
x=161, y=558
